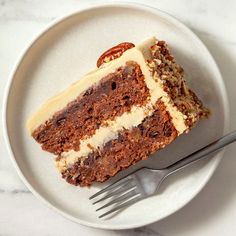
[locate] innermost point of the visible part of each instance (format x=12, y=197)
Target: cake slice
x=133, y=105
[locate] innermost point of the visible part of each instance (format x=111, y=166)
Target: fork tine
x=118, y=191
x=126, y=204
x=117, y=184
x=124, y=197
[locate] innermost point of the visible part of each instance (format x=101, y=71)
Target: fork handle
x=200, y=154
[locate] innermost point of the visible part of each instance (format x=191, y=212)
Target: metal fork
x=137, y=185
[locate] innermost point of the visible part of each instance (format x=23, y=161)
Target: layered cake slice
x=133, y=105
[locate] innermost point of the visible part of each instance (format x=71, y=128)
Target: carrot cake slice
x=135, y=103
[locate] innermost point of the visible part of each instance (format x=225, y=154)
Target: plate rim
x=36, y=37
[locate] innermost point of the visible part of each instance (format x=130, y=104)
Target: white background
x=212, y=212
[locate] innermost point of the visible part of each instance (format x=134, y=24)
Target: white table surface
x=212, y=212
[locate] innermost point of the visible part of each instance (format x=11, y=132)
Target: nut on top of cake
x=135, y=103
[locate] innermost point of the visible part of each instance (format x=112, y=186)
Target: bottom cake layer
x=131, y=146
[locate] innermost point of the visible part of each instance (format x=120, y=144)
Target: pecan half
x=114, y=53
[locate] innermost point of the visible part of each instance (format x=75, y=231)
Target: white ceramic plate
x=65, y=51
